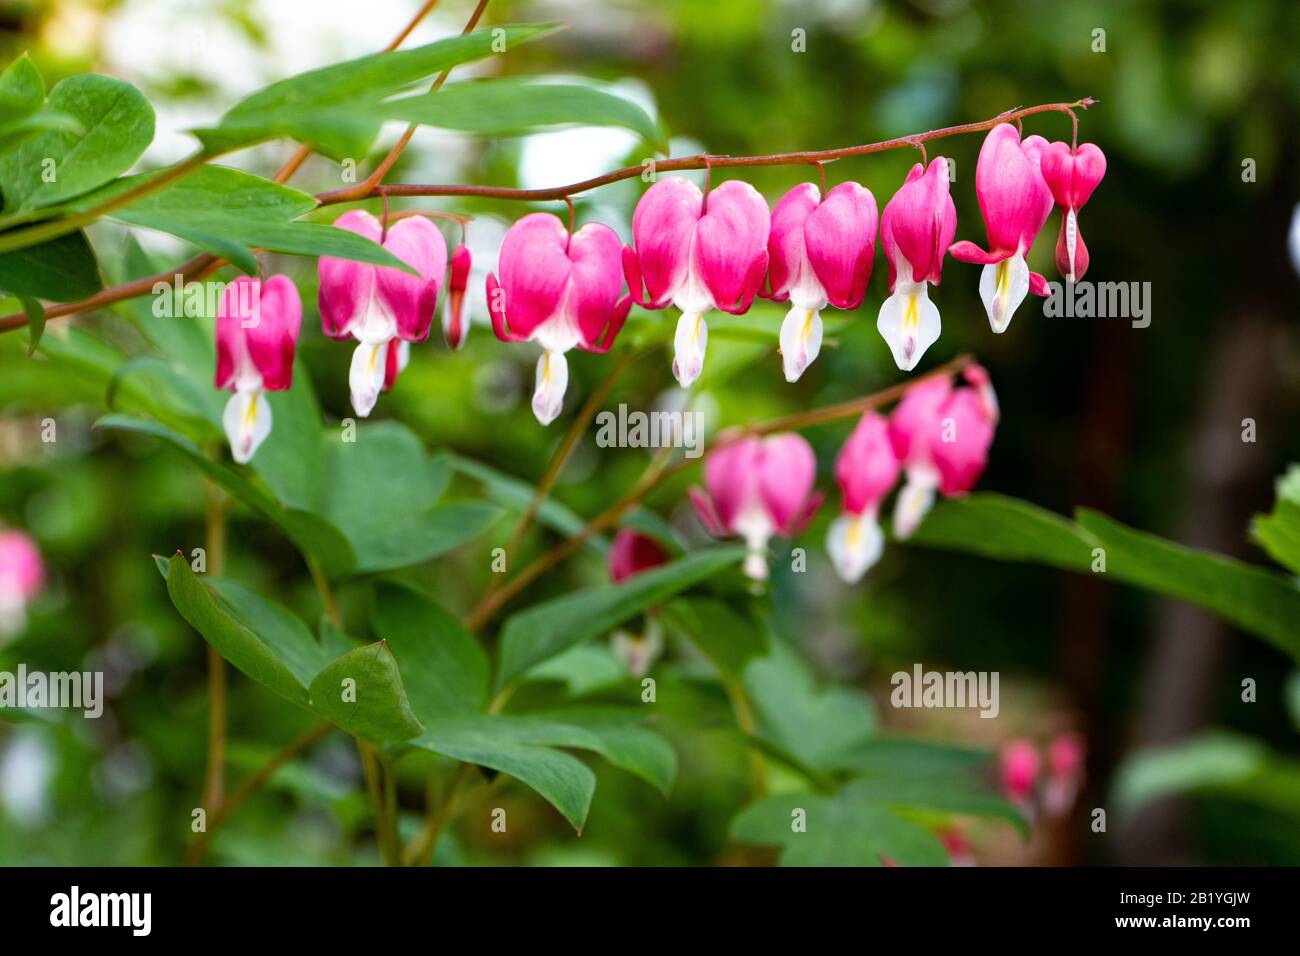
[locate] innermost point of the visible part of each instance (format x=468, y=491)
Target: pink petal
x=616, y=319
x=1072, y=176
x=967, y=251
x=412, y=299
x=232, y=350
x=867, y=467
x=632, y=553
x=787, y=470
x=1020, y=764
x=840, y=237
x=454, y=329
x=729, y=473
x=346, y=286
x=919, y=223
x=1081, y=258
x=1012, y=195
x=706, y=512
x=961, y=461
x=596, y=279
x=786, y=254
x=496, y=298
x=21, y=568
x=534, y=272
x=730, y=249
x=272, y=339
x=915, y=422
x=663, y=227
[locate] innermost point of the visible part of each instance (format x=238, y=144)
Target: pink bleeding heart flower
x=560, y=291
x=942, y=436
x=916, y=229
x=633, y=552
x=382, y=307
x=454, y=325
x=1071, y=176
x=758, y=488
x=22, y=574
x=697, y=255
x=1065, y=756
x=960, y=851
x=820, y=252
x=1019, y=765
x=257, y=329
x=1015, y=202
x=867, y=469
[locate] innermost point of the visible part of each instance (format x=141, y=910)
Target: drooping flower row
x=692, y=250
x=937, y=437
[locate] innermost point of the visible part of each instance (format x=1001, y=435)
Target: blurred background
x=1198, y=114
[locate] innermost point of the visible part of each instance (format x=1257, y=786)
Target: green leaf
x=727, y=637
x=1007, y=529
x=422, y=537
x=515, y=494
x=444, y=668
x=185, y=341
x=1215, y=761
x=257, y=653
x=35, y=322
x=22, y=90
x=619, y=739
x=817, y=725
x=276, y=626
x=362, y=692
x=941, y=793
x=611, y=732
x=60, y=270
x=582, y=669
x=517, y=105
x=230, y=213
x=292, y=460
x=116, y=126
x=147, y=383
x=383, y=495
x=847, y=829
x=546, y=629
x=308, y=531
x=1279, y=532
x=335, y=109
x=23, y=113
x=562, y=779
x=1257, y=600
x=902, y=757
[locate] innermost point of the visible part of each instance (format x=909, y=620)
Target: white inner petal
x=552, y=381
x=914, y=500
x=1071, y=240
x=247, y=422
x=909, y=322
x=801, y=341
x=855, y=543
x=756, y=527
x=366, y=376
x=1003, y=286
x=376, y=323
x=689, y=342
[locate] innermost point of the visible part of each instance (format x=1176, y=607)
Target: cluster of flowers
x=1030, y=786
x=938, y=437
x=22, y=574
x=694, y=250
